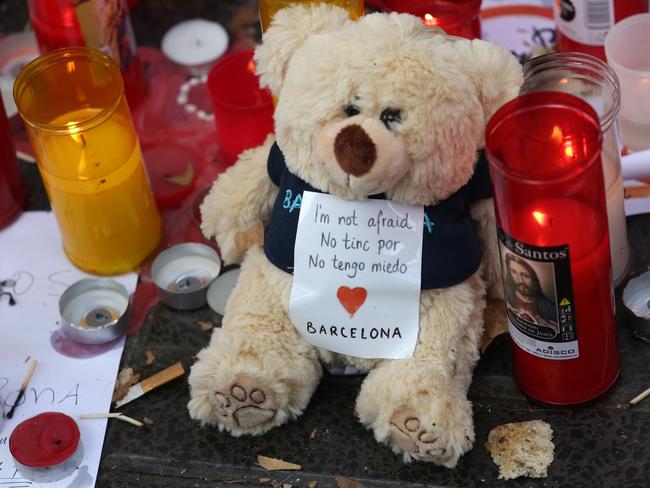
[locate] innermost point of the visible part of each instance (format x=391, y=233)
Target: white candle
x=195, y=44
x=636, y=165
x=626, y=46
x=618, y=241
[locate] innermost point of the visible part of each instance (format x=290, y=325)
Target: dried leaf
x=272, y=464
x=312, y=484
x=150, y=357
x=275, y=484
x=287, y=485
x=495, y=320
x=183, y=179
x=264, y=480
x=147, y=421
x=125, y=379
x=343, y=482
x=205, y=325
x=313, y=434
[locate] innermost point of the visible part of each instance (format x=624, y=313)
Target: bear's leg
x=418, y=406
x=257, y=372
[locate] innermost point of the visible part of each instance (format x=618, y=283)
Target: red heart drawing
x=351, y=298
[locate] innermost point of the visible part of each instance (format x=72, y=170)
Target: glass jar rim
x=516, y=107
x=553, y=61
x=63, y=55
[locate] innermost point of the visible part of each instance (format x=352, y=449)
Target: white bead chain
x=190, y=108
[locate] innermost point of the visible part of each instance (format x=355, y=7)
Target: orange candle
x=268, y=8
x=72, y=102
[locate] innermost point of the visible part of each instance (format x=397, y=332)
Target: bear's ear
x=496, y=73
x=290, y=27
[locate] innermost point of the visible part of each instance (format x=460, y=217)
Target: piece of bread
x=521, y=449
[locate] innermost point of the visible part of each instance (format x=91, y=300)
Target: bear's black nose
x=354, y=150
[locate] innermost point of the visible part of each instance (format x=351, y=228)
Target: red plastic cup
x=544, y=153
x=456, y=17
x=243, y=112
x=13, y=193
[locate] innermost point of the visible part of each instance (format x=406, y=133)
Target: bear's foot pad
x=246, y=402
x=421, y=441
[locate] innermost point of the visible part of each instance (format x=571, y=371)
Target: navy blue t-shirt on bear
x=451, y=250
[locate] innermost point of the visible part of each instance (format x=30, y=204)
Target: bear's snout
x=355, y=151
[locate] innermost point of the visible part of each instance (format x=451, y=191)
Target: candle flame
x=70, y=67
x=563, y=81
x=429, y=20
x=568, y=150
x=251, y=66
x=556, y=134
x=540, y=217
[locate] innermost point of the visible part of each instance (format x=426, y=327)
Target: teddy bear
x=380, y=105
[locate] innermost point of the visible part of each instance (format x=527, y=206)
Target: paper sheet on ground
x=31, y=254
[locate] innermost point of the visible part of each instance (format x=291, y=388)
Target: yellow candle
x=269, y=7
x=89, y=159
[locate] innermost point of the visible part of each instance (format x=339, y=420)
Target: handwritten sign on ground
x=33, y=262
x=356, y=285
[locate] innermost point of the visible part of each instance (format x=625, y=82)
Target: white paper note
x=357, y=271
x=31, y=254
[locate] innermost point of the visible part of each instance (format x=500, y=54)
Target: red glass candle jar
x=455, y=17
x=544, y=153
x=13, y=194
x=583, y=24
x=243, y=112
x=99, y=24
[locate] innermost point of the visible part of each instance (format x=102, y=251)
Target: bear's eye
x=351, y=110
x=391, y=116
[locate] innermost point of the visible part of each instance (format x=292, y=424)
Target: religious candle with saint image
x=544, y=152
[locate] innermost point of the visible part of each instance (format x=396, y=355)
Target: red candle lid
x=45, y=440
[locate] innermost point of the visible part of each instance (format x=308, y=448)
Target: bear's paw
x=246, y=403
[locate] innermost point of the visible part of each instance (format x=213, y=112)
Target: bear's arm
x=482, y=212
x=239, y=203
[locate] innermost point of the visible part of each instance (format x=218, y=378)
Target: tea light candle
x=183, y=273
x=46, y=447
x=94, y=311
x=195, y=44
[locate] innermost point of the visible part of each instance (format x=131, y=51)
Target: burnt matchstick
x=23, y=387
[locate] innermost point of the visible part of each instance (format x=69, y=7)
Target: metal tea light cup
x=636, y=302
x=94, y=311
x=183, y=273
